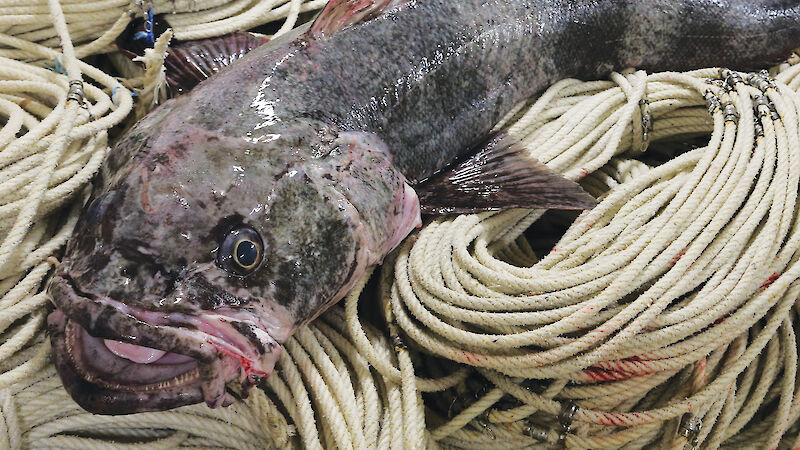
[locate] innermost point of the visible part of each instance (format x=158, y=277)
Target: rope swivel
x=565, y=417
x=689, y=428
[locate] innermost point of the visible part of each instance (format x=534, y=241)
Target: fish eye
x=241, y=251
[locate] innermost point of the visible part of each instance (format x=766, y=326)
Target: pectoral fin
x=502, y=175
x=188, y=62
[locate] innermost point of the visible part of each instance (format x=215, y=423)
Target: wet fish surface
x=238, y=212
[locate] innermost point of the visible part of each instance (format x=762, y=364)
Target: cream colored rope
x=677, y=261
x=95, y=24
x=664, y=315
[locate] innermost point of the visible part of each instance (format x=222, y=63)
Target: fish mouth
x=114, y=358
x=102, y=382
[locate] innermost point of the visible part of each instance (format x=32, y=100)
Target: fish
x=236, y=213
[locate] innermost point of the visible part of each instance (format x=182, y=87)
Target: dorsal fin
x=189, y=63
x=501, y=175
x=339, y=14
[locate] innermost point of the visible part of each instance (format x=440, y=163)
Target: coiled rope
x=663, y=316
x=664, y=303
x=94, y=24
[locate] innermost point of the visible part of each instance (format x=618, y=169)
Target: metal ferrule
x=732, y=78
x=712, y=101
x=761, y=81
x=730, y=112
x=75, y=91
x=690, y=427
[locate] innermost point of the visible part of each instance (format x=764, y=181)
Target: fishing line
x=664, y=316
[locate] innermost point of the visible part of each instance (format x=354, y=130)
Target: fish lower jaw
x=75, y=340
x=210, y=378
x=208, y=381
x=180, y=380
x=213, y=330
x=154, y=361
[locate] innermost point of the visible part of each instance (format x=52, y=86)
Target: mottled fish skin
x=431, y=95
x=432, y=78
x=315, y=143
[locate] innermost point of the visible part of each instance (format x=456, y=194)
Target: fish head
x=200, y=253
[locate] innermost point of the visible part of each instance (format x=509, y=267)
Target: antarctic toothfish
x=234, y=214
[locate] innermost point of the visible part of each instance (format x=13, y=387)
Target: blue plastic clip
x=114, y=91
x=147, y=34
x=56, y=67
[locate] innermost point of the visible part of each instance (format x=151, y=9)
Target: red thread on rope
x=769, y=281
x=598, y=374
x=678, y=257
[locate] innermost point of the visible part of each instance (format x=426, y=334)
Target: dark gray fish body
x=433, y=77
x=240, y=211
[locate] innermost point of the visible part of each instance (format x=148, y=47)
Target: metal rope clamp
x=75, y=91
x=761, y=81
x=762, y=100
x=773, y=112
x=534, y=433
x=717, y=82
x=730, y=112
x=759, y=128
x=712, y=101
x=646, y=124
x=689, y=428
x=398, y=343
x=731, y=78
x=565, y=417
x=759, y=116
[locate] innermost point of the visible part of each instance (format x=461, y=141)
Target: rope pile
x=663, y=316
x=93, y=25
x=670, y=301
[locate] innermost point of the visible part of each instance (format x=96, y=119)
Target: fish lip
x=220, y=358
x=101, y=399
x=68, y=299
